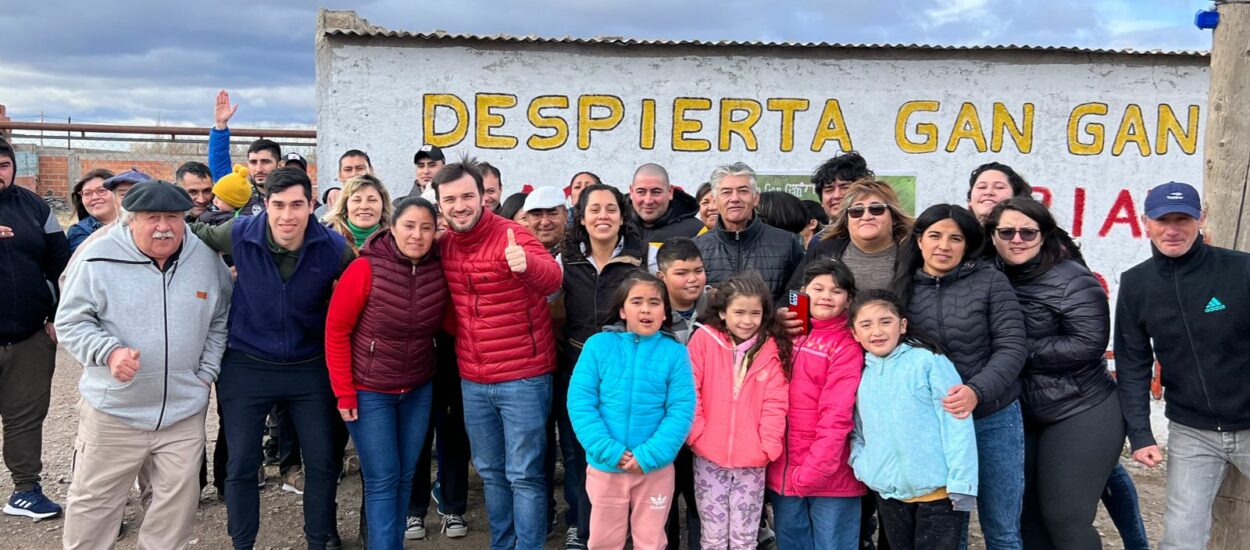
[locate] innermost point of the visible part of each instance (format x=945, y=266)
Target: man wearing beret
x=144, y=310
x=34, y=251
x=287, y=265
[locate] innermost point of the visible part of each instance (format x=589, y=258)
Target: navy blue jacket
x=30, y=263
x=275, y=320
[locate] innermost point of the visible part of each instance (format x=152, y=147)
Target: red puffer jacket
x=828, y=364
x=503, y=326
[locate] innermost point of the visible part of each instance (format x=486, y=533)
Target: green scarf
x=361, y=235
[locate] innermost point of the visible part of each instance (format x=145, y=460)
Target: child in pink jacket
x=739, y=357
x=814, y=492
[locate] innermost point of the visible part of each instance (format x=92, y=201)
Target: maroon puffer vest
x=393, y=344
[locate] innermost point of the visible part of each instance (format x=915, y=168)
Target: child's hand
x=960, y=401
x=632, y=466
x=625, y=459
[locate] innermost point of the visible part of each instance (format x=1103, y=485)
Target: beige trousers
x=108, y=456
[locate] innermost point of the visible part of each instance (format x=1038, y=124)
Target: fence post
x=1227, y=150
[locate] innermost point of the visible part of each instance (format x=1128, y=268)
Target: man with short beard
x=147, y=372
x=198, y=181
x=276, y=351
x=35, y=252
x=500, y=277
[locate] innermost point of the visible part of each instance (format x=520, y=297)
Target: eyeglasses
x=876, y=209
x=97, y=193
x=1026, y=235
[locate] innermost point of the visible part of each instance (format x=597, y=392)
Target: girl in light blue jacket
x=920, y=459
x=631, y=402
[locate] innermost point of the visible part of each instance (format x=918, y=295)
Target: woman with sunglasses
x=867, y=236
x=973, y=310
x=1073, y=428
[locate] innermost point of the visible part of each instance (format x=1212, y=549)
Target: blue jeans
x=389, y=430
x=1000, y=493
x=1120, y=499
x=1197, y=462
x=816, y=523
x=507, y=427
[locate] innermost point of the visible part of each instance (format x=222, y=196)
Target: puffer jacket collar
x=745, y=236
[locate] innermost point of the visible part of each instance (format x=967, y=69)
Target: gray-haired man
x=144, y=311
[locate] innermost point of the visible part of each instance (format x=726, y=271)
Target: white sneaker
x=415, y=529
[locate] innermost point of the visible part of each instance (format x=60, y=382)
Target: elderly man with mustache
x=144, y=311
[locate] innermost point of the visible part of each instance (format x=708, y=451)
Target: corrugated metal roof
x=347, y=23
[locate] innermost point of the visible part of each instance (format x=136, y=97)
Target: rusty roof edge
x=347, y=23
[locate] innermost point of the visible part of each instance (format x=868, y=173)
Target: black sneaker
x=454, y=526
x=414, y=528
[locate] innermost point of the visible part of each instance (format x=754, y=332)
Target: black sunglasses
x=876, y=209
x=1026, y=235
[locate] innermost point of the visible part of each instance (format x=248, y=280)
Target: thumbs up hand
x=124, y=363
x=515, y=254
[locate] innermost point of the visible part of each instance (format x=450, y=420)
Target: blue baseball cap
x=130, y=176
x=1173, y=197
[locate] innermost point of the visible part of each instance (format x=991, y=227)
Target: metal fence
x=52, y=156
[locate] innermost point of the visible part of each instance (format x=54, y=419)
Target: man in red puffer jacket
x=500, y=276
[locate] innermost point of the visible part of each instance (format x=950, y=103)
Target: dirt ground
x=282, y=519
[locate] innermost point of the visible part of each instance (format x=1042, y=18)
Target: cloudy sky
x=144, y=61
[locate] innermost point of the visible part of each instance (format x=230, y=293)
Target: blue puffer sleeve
x=661, y=448
x=585, y=409
x=219, y=153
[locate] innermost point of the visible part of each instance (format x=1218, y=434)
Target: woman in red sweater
x=380, y=352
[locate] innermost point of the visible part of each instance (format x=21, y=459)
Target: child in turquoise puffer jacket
x=921, y=460
x=631, y=402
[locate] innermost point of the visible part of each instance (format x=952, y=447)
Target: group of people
x=835, y=374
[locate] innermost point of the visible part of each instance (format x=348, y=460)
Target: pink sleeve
x=697, y=348
x=773, y=413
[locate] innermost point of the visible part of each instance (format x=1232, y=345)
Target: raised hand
x=515, y=254
x=224, y=110
x=124, y=363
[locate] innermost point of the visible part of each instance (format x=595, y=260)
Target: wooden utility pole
x=1226, y=186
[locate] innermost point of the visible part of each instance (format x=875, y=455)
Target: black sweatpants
x=683, y=486
x=921, y=525
x=1066, y=466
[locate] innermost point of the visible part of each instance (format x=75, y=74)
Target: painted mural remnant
x=1092, y=130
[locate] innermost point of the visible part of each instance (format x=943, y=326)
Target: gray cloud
x=148, y=60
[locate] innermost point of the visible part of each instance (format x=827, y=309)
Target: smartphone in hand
x=801, y=305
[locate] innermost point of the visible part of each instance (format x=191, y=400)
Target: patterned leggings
x=730, y=501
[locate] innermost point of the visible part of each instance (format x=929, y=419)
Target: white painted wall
x=370, y=96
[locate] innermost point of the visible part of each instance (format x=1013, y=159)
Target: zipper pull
x=372, y=344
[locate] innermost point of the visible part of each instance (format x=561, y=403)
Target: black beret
x=157, y=196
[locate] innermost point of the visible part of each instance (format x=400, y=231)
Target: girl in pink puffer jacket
x=739, y=358
x=814, y=492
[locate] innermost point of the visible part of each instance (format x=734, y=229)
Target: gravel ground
x=282, y=518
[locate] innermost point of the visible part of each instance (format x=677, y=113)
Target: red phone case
x=800, y=304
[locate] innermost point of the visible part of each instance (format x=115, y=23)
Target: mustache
x=162, y=234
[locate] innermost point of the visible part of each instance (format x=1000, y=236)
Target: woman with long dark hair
x=972, y=309
x=599, y=253
x=1073, y=428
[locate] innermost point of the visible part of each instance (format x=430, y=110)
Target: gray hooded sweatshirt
x=114, y=296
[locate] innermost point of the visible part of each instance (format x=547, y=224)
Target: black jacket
x=678, y=221
x=31, y=261
x=1068, y=322
x=588, y=292
x=973, y=313
x=772, y=252
x=1196, y=311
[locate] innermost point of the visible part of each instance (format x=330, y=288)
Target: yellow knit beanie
x=233, y=188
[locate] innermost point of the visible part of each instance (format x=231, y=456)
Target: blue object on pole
x=1207, y=19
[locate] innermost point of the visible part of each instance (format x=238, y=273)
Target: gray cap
x=157, y=196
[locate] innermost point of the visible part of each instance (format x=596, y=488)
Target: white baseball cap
x=544, y=198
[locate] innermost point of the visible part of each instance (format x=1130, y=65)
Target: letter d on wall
x=430, y=134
